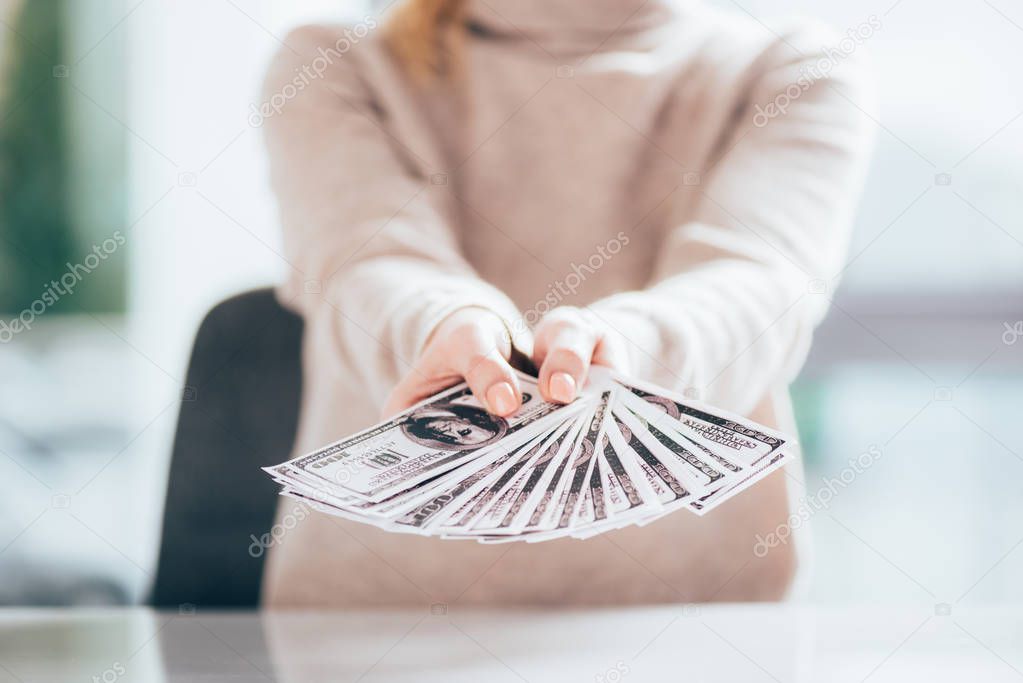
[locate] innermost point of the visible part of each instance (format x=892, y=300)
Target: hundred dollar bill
x=539, y=475
x=497, y=518
x=745, y=441
x=494, y=490
x=428, y=439
x=447, y=499
x=582, y=468
x=708, y=502
x=665, y=486
x=623, y=453
x=684, y=462
x=625, y=491
x=539, y=505
x=741, y=459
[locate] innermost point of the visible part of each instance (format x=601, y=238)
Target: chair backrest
x=239, y=412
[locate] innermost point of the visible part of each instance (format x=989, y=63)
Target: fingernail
x=562, y=387
x=501, y=398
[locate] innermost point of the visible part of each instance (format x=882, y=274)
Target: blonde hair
x=425, y=36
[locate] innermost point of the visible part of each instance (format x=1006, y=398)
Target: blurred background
x=127, y=159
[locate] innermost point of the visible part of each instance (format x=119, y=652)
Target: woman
x=653, y=186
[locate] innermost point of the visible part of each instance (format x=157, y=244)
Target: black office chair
x=239, y=411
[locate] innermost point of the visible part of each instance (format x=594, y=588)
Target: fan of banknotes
x=624, y=452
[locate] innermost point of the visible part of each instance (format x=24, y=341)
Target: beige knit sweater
x=628, y=156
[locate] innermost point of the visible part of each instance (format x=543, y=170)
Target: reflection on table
x=664, y=643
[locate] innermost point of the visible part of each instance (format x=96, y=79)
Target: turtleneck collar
x=561, y=26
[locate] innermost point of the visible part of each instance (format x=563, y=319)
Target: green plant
x=36, y=234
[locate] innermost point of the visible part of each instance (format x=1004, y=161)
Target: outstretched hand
x=471, y=344
x=568, y=341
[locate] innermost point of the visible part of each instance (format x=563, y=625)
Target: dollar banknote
x=625, y=452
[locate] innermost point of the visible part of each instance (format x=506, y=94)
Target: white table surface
x=696, y=644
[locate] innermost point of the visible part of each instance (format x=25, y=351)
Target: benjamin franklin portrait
x=453, y=427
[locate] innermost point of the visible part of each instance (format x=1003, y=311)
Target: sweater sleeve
x=375, y=264
x=742, y=281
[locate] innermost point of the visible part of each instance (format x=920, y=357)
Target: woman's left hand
x=567, y=341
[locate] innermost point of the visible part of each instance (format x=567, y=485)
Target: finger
x=566, y=362
x=398, y=400
x=550, y=327
x=611, y=353
x=413, y=388
x=469, y=342
x=428, y=375
x=493, y=382
x=479, y=355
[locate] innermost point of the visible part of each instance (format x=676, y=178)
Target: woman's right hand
x=471, y=344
